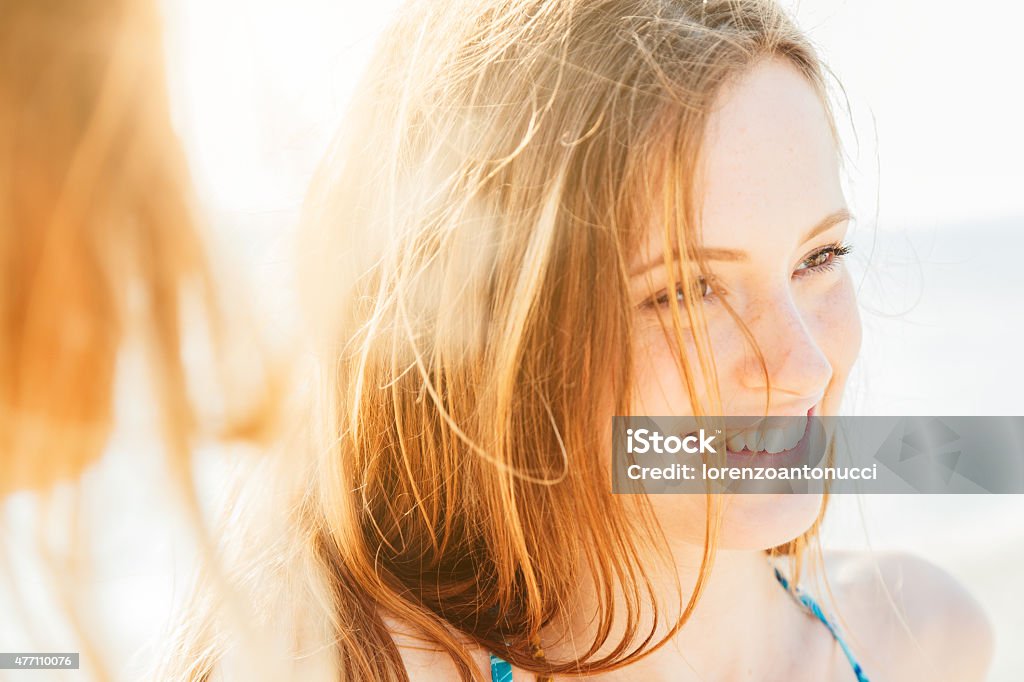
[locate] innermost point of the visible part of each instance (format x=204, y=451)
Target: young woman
x=541, y=214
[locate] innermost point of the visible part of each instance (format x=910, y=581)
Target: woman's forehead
x=770, y=165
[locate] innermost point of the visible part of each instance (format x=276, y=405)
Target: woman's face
x=773, y=214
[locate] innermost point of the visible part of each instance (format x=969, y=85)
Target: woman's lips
x=810, y=443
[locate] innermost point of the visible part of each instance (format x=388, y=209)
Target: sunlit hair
x=469, y=237
x=98, y=241
x=99, y=249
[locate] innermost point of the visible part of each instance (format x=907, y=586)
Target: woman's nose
x=798, y=369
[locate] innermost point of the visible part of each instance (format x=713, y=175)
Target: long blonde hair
x=99, y=239
x=100, y=246
x=467, y=252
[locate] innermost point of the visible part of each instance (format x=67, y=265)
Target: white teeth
x=774, y=440
x=751, y=439
x=795, y=431
x=735, y=442
x=771, y=440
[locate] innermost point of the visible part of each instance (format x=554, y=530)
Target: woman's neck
x=739, y=619
x=742, y=621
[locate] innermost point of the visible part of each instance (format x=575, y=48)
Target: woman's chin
x=766, y=521
x=749, y=521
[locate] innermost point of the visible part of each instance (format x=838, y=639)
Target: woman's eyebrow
x=733, y=255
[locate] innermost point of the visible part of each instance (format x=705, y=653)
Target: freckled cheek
x=659, y=385
x=835, y=320
x=832, y=316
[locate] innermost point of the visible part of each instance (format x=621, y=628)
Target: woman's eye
x=824, y=259
x=701, y=290
x=819, y=258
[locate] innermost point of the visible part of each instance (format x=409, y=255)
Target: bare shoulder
x=907, y=618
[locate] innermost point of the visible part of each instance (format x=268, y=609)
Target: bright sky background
x=260, y=85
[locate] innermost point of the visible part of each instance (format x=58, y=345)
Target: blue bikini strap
x=501, y=670
x=810, y=604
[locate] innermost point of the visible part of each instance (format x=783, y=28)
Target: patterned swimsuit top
x=501, y=670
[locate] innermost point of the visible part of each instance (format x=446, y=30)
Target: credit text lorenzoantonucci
x=644, y=441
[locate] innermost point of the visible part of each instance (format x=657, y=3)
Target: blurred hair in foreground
x=466, y=252
x=99, y=249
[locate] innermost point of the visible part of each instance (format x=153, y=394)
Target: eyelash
x=837, y=251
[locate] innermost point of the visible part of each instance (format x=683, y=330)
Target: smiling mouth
x=774, y=437
x=796, y=448
x=776, y=440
